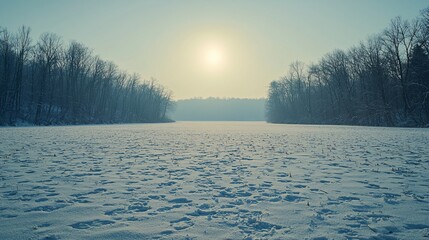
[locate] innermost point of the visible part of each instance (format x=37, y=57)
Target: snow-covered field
x=214, y=180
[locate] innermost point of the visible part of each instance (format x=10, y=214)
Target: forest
x=48, y=82
x=383, y=81
x=219, y=109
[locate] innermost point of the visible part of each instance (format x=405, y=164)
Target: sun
x=213, y=57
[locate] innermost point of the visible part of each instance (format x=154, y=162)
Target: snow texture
x=214, y=180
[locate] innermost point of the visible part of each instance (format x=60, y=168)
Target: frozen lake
x=219, y=180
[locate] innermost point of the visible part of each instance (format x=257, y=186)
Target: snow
x=214, y=180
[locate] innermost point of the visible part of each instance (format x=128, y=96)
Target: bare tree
x=70, y=85
x=5, y=72
x=22, y=50
x=383, y=81
x=47, y=54
x=399, y=40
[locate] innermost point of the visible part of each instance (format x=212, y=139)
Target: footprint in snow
x=203, y=210
x=8, y=215
x=179, y=200
x=41, y=200
x=294, y=198
x=48, y=208
x=182, y=223
x=139, y=207
x=348, y=198
x=115, y=212
x=91, y=224
x=51, y=237
x=416, y=226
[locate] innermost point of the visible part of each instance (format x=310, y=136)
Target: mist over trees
x=49, y=82
x=383, y=81
x=219, y=109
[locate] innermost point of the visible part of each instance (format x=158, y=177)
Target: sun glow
x=213, y=57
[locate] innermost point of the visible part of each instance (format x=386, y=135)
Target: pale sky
x=219, y=48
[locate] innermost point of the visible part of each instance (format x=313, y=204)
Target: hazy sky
x=209, y=48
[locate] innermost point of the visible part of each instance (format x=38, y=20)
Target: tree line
x=383, y=81
x=219, y=109
x=49, y=82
